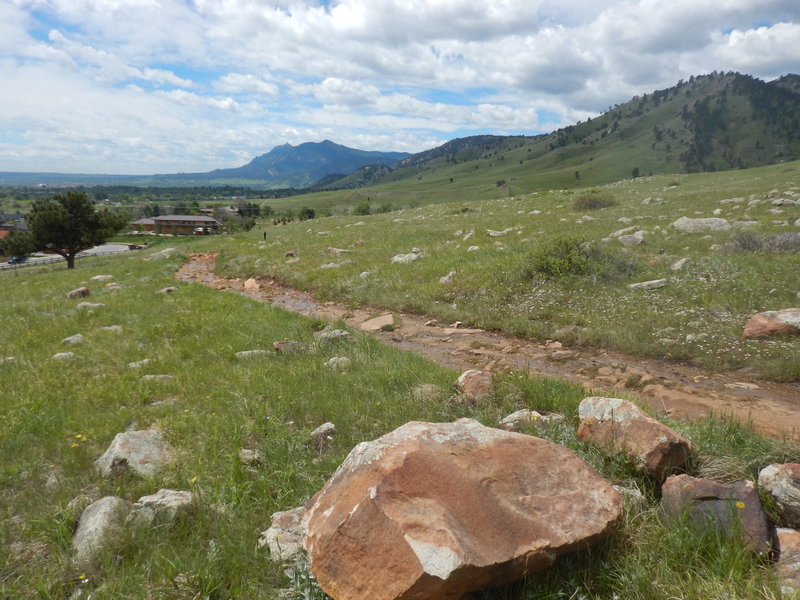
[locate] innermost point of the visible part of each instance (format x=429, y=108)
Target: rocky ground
x=677, y=390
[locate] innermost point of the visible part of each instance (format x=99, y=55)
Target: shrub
x=572, y=256
x=362, y=208
x=307, y=213
x=593, y=201
x=750, y=241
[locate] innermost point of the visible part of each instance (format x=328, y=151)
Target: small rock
x=142, y=452
x=474, y=385
x=157, y=377
x=338, y=363
x=678, y=264
x=687, y=225
x=139, y=363
x=718, y=505
x=740, y=385
x=377, y=323
x=252, y=285
x=289, y=347
x=648, y=285
x=773, y=322
x=285, y=536
x=250, y=458
x=333, y=250
x=331, y=265
x=782, y=482
x=73, y=340
x=517, y=421
x=100, y=526
x=333, y=336
x=112, y=328
x=473, y=248
x=101, y=278
x=89, y=305
x=167, y=290
x=81, y=292
x=788, y=568
x=447, y=278
x=290, y=253
x=406, y=258
x=161, y=508
x=322, y=436
x=245, y=354
x=62, y=356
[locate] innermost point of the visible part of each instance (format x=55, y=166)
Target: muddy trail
x=672, y=389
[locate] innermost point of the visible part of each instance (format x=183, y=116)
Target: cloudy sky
x=160, y=86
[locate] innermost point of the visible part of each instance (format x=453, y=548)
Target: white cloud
x=159, y=85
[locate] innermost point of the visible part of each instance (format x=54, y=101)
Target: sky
x=167, y=86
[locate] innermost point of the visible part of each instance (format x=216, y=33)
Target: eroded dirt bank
x=673, y=389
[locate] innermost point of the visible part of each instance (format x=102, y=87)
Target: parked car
x=16, y=260
x=135, y=246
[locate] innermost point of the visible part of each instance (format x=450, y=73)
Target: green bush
x=573, y=256
x=362, y=208
x=593, y=201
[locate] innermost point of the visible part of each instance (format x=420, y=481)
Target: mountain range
x=708, y=123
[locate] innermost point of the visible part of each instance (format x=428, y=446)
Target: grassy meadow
x=697, y=317
x=57, y=417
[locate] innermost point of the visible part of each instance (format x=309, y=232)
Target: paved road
x=49, y=258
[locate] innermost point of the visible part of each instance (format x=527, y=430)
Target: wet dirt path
x=671, y=389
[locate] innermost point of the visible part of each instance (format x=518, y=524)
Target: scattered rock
x=620, y=426
x=338, y=363
x=377, y=323
x=62, y=356
x=333, y=336
x=788, y=567
x=473, y=248
x=245, y=354
x=331, y=265
x=81, y=292
x=160, y=509
x=290, y=253
x=139, y=363
x=101, y=278
x=112, y=328
x=406, y=258
x=100, y=526
x=687, y=225
x=521, y=419
x=428, y=391
x=635, y=239
x=250, y=458
x=251, y=285
x=718, y=505
x=289, y=347
x=648, y=285
x=474, y=385
x=773, y=322
x=73, y=340
x=157, y=377
x=740, y=385
x=167, y=290
x=333, y=250
x=678, y=264
x=89, y=305
x=322, y=436
x=782, y=481
x=285, y=536
x=438, y=510
x=447, y=278
x=142, y=452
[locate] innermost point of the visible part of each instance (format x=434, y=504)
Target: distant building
x=12, y=222
x=185, y=224
x=147, y=224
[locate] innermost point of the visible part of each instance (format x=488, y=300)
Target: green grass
x=56, y=418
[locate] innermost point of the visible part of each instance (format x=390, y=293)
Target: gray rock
x=284, y=538
x=161, y=377
x=520, y=419
x=339, y=363
x=112, y=328
x=167, y=290
x=331, y=265
x=648, y=285
x=635, y=239
x=245, y=354
x=322, y=436
x=62, y=356
x=678, y=264
x=781, y=481
x=447, y=278
x=161, y=508
x=89, y=305
x=101, y=278
x=250, y=458
x=406, y=258
x=687, y=225
x=139, y=363
x=73, y=340
x=81, y=292
x=100, y=526
x=333, y=336
x=142, y=452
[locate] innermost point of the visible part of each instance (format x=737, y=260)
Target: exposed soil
x=672, y=389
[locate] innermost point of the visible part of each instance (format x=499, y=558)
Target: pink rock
x=475, y=385
x=620, y=426
x=434, y=511
x=773, y=322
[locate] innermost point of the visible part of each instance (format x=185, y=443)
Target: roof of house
x=195, y=218
x=145, y=221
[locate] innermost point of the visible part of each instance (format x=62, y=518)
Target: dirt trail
x=672, y=389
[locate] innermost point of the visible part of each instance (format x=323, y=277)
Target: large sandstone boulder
x=783, y=483
x=434, y=511
x=773, y=322
x=621, y=427
x=719, y=505
x=141, y=452
x=100, y=526
x=687, y=225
